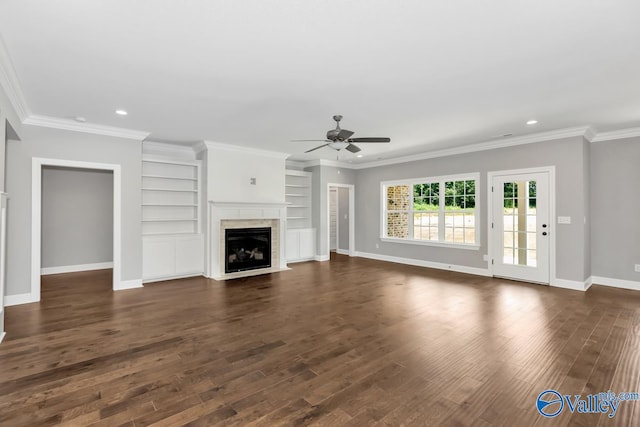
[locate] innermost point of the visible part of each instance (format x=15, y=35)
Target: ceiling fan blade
x=370, y=139
x=344, y=134
x=353, y=148
x=310, y=140
x=318, y=147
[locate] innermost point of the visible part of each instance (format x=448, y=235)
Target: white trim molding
x=616, y=134
x=428, y=264
x=36, y=216
x=321, y=258
x=11, y=84
x=19, y=299
x=93, y=128
x=75, y=268
x=246, y=150
x=352, y=217
x=616, y=283
x=574, y=285
x=128, y=284
x=588, y=132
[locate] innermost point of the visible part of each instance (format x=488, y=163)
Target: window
x=438, y=210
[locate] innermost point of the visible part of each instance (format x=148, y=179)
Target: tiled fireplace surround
x=223, y=215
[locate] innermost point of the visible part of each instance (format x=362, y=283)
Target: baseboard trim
x=574, y=285
x=178, y=276
x=428, y=264
x=616, y=283
x=321, y=257
x=293, y=261
x=75, y=268
x=18, y=299
x=342, y=251
x=128, y=284
x=2, y=336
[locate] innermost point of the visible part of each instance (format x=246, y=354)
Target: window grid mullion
x=441, y=212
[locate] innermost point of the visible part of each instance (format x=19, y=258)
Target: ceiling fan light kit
x=340, y=139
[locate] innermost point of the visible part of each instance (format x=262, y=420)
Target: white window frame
x=429, y=180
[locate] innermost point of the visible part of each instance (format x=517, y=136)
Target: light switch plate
x=564, y=220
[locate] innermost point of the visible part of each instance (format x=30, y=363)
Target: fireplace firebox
x=247, y=249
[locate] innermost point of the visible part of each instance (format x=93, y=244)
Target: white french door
x=520, y=226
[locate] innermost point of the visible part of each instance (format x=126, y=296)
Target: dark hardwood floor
x=347, y=342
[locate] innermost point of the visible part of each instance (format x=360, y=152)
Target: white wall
x=77, y=216
x=230, y=169
x=68, y=145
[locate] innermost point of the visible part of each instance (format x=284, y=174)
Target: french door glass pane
x=519, y=223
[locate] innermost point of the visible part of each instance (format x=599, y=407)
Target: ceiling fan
x=338, y=139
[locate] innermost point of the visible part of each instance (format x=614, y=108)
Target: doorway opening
x=40, y=164
x=341, y=219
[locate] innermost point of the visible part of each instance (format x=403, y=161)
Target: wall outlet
x=564, y=220
x=637, y=268
x=377, y=246
x=485, y=257
x=253, y=181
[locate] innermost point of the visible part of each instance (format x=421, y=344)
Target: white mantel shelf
x=219, y=211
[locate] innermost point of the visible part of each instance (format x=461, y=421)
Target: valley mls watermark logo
x=550, y=403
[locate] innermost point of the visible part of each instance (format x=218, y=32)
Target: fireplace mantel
x=223, y=215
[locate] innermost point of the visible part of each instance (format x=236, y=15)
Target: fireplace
x=247, y=249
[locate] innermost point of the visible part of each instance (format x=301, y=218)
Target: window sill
x=473, y=247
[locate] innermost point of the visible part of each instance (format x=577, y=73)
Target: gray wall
x=77, y=216
x=61, y=144
x=615, y=208
x=343, y=218
x=322, y=177
x=567, y=155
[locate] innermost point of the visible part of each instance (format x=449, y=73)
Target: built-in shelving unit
x=170, y=197
x=298, y=196
x=301, y=238
x=172, y=243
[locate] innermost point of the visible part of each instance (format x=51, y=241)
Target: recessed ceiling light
x=359, y=155
x=532, y=122
x=121, y=112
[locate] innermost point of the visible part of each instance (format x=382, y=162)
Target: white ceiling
x=428, y=74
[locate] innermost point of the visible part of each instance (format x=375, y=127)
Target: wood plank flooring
x=351, y=342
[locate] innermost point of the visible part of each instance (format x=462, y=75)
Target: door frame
x=352, y=218
x=551, y=171
x=36, y=216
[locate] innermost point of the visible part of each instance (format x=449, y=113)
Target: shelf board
x=296, y=195
x=169, y=177
x=182, y=205
x=297, y=206
x=297, y=217
x=296, y=186
x=168, y=189
x=169, y=219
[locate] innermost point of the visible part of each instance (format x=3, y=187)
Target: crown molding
x=168, y=149
x=11, y=85
x=617, y=134
x=590, y=133
x=246, y=150
x=482, y=146
x=72, y=125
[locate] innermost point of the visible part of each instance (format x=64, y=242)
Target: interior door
x=521, y=226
